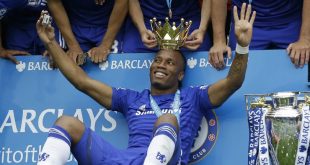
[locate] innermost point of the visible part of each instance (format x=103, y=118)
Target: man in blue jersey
x=139, y=38
x=162, y=121
x=17, y=28
x=90, y=26
x=280, y=24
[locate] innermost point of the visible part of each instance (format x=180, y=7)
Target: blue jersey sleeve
x=121, y=98
x=203, y=97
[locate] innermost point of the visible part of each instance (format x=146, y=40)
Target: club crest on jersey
x=206, y=137
x=142, y=108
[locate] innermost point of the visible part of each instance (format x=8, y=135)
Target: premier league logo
x=206, y=137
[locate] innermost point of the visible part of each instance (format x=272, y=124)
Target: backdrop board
x=32, y=96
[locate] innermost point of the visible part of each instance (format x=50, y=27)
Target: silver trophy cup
x=282, y=121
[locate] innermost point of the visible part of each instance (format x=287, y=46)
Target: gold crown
x=170, y=37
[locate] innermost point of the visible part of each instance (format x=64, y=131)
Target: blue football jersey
x=141, y=118
x=186, y=9
x=86, y=13
x=274, y=12
x=22, y=11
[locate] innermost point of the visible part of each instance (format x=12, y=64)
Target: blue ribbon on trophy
x=263, y=140
x=304, y=137
x=279, y=134
x=254, y=118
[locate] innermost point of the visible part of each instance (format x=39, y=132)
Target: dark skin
x=165, y=73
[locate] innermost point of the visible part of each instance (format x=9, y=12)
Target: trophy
x=279, y=128
x=170, y=37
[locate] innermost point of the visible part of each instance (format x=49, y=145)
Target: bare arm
x=148, y=38
x=305, y=27
x=97, y=90
x=116, y=20
x=195, y=39
x=61, y=18
x=299, y=51
x=221, y=90
x=218, y=17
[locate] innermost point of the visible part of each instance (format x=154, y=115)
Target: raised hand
x=45, y=32
x=244, y=24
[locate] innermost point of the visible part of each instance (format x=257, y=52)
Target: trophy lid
x=284, y=99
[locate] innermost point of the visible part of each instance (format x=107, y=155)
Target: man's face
x=167, y=69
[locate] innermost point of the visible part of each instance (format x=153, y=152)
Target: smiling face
x=167, y=70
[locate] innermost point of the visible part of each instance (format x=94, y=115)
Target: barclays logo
x=125, y=64
x=33, y=66
x=204, y=62
x=104, y=65
x=191, y=62
x=21, y=66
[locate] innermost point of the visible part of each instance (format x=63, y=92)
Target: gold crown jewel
x=170, y=37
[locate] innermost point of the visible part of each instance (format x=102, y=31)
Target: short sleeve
x=121, y=98
x=203, y=97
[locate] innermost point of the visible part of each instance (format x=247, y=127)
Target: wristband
x=242, y=50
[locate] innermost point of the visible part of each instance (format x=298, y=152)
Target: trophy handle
x=256, y=100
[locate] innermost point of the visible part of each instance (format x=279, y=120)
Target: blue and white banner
x=254, y=119
x=263, y=140
x=304, y=137
x=33, y=96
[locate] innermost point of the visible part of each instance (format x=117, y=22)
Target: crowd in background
x=101, y=27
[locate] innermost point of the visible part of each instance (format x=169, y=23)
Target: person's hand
x=299, y=52
x=195, y=39
x=74, y=54
x=45, y=32
x=148, y=39
x=99, y=2
x=9, y=54
x=99, y=54
x=216, y=55
x=244, y=25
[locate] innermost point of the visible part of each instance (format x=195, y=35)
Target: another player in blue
x=17, y=28
x=162, y=121
x=280, y=24
x=90, y=26
x=139, y=38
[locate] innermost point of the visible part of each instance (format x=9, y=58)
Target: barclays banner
x=33, y=96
